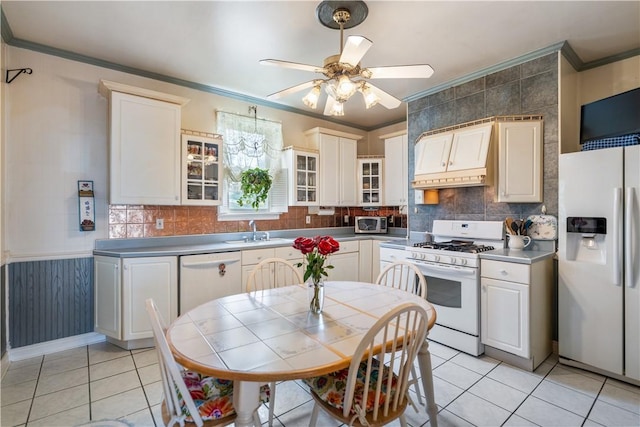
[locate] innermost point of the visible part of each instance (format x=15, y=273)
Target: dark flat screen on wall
x=613, y=116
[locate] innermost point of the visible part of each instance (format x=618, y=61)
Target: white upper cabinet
x=432, y=153
x=396, y=165
x=520, y=154
x=337, y=184
x=144, y=149
x=370, y=191
x=201, y=168
x=469, y=148
x=302, y=170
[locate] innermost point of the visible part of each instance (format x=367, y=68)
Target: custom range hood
x=456, y=156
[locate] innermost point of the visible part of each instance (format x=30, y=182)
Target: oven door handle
x=453, y=271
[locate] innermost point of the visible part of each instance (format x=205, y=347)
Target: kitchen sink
x=248, y=240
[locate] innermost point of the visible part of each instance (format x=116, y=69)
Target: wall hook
x=19, y=71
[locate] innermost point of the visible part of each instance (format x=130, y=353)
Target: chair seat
x=331, y=387
x=213, y=396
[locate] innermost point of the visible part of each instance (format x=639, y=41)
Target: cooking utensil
x=515, y=227
x=507, y=223
x=526, y=225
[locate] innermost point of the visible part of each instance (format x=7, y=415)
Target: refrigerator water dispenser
x=586, y=238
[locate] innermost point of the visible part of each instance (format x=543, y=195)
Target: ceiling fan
x=344, y=75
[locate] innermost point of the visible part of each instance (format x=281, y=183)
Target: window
x=250, y=142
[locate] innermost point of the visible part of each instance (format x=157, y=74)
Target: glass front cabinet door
x=201, y=163
x=370, y=182
x=303, y=176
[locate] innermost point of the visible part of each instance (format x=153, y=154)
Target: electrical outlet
x=346, y=219
x=159, y=223
x=391, y=220
x=307, y=219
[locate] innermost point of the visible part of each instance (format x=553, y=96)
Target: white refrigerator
x=599, y=261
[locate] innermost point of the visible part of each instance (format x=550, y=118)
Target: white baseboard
x=4, y=364
x=53, y=346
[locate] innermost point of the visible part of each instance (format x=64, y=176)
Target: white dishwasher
x=208, y=276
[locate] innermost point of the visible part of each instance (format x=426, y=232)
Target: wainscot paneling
x=49, y=300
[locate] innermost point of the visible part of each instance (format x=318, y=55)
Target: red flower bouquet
x=315, y=252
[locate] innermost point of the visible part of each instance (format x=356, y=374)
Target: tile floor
x=102, y=381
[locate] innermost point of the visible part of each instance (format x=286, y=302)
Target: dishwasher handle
x=214, y=262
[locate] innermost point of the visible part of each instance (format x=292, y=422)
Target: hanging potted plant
x=255, y=185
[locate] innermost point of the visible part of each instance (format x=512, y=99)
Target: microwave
x=371, y=224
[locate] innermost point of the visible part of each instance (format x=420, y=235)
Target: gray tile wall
x=528, y=88
x=49, y=300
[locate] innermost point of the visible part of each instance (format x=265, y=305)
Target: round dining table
x=270, y=335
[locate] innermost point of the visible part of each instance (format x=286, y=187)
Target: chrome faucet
x=252, y=225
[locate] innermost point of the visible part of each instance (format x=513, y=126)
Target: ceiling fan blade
x=293, y=89
x=354, y=49
x=386, y=100
x=328, y=107
x=294, y=65
x=401, y=72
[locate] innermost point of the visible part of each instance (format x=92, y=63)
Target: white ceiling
x=219, y=43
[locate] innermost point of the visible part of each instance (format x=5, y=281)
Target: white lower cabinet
x=121, y=288
x=250, y=258
x=515, y=311
x=345, y=262
x=505, y=316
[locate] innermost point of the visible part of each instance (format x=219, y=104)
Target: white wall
x=608, y=80
x=56, y=134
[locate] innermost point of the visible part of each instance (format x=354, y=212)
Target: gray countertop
x=224, y=242
x=516, y=256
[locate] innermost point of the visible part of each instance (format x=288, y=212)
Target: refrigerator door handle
x=628, y=237
x=617, y=236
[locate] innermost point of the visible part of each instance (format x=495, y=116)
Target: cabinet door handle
x=504, y=272
x=450, y=162
x=444, y=164
x=484, y=288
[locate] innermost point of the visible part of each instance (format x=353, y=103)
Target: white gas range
x=451, y=265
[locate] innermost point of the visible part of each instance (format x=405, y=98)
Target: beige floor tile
x=140, y=419
x=53, y=403
x=145, y=358
x=15, y=414
x=72, y=352
x=456, y=374
x=71, y=417
x=545, y=414
x=481, y=364
x=26, y=362
x=448, y=419
x=566, y=398
x=156, y=411
x=20, y=375
x=514, y=377
x=52, y=383
x=478, y=411
x=149, y=374
x=113, y=385
x=17, y=392
x=103, y=351
x=622, y=397
x=154, y=393
x=56, y=366
x=610, y=415
x=120, y=405
x=111, y=367
x=498, y=393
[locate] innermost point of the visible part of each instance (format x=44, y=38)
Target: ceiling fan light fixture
x=370, y=98
x=311, y=99
x=337, y=109
x=342, y=88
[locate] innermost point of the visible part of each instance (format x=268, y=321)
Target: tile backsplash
x=132, y=221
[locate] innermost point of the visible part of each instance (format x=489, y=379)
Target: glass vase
x=315, y=292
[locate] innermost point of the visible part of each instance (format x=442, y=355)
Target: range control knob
x=423, y=256
x=453, y=260
x=414, y=255
x=436, y=258
x=463, y=261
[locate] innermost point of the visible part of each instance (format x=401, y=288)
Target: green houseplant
x=255, y=185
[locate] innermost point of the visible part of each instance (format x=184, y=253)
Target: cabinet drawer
x=505, y=271
x=256, y=255
x=288, y=253
x=350, y=246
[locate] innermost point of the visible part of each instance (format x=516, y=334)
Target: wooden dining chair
x=370, y=392
x=273, y=273
x=214, y=402
x=407, y=277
